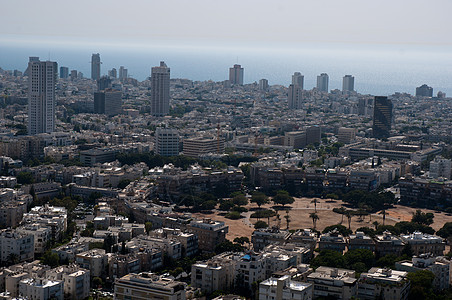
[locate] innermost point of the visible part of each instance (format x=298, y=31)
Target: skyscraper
x=41, y=96
x=64, y=72
x=95, y=66
x=236, y=75
x=112, y=73
x=263, y=84
x=424, y=91
x=160, y=86
x=298, y=79
x=322, y=82
x=103, y=83
x=108, y=102
x=382, y=117
x=295, y=97
x=122, y=72
x=348, y=83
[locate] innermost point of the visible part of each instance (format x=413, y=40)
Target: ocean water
x=378, y=70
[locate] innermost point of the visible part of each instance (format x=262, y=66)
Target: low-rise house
x=284, y=288
x=384, y=284
x=332, y=240
x=361, y=241
x=333, y=282
x=95, y=260
x=422, y=243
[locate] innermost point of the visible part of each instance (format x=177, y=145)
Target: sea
x=378, y=69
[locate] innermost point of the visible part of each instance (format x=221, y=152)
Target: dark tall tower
x=95, y=66
x=160, y=87
x=236, y=75
x=382, y=117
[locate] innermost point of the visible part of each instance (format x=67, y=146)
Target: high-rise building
x=103, y=83
x=122, y=72
x=313, y=135
x=166, y=142
x=382, y=117
x=108, y=102
x=160, y=86
x=41, y=96
x=64, y=72
x=348, y=83
x=74, y=74
x=295, y=97
x=424, y=91
x=263, y=84
x=322, y=82
x=298, y=79
x=113, y=73
x=30, y=59
x=95, y=66
x=236, y=75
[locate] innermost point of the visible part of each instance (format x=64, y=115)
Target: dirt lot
x=302, y=207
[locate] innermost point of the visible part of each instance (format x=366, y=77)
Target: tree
x=123, y=183
x=422, y=218
x=240, y=200
x=233, y=215
x=421, y=284
x=242, y=240
x=340, y=228
x=148, y=226
x=283, y=198
x=259, y=198
x=260, y=224
x=315, y=201
x=341, y=210
x=51, y=259
x=97, y=282
x=328, y=258
x=375, y=223
x=226, y=205
x=445, y=231
x=384, y=213
x=314, y=218
x=228, y=246
x=24, y=178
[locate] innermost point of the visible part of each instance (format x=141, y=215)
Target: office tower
x=30, y=59
x=263, y=84
x=41, y=96
x=122, y=72
x=313, y=135
x=160, y=86
x=108, y=102
x=348, y=83
x=295, y=97
x=424, y=91
x=382, y=117
x=298, y=79
x=166, y=142
x=322, y=82
x=103, y=83
x=74, y=74
x=362, y=106
x=236, y=75
x=113, y=73
x=64, y=72
x=95, y=66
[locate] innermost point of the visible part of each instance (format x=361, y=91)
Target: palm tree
x=341, y=210
x=314, y=218
x=315, y=201
x=349, y=215
x=287, y=219
x=383, y=212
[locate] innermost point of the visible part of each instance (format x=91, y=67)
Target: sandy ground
x=302, y=207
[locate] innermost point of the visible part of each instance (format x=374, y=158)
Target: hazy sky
x=236, y=22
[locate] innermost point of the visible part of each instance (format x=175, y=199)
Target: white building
x=298, y=79
x=148, y=286
x=41, y=96
x=160, y=90
x=42, y=236
x=16, y=246
x=52, y=217
x=440, y=167
x=385, y=283
x=76, y=280
x=295, y=97
x=41, y=289
x=338, y=283
x=284, y=289
x=440, y=266
x=166, y=142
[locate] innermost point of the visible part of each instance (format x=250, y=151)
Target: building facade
x=160, y=90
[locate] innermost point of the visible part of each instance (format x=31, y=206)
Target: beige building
x=346, y=135
x=333, y=282
x=148, y=286
x=384, y=283
x=195, y=147
x=16, y=246
x=41, y=289
x=95, y=260
x=42, y=236
x=76, y=280
x=284, y=288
